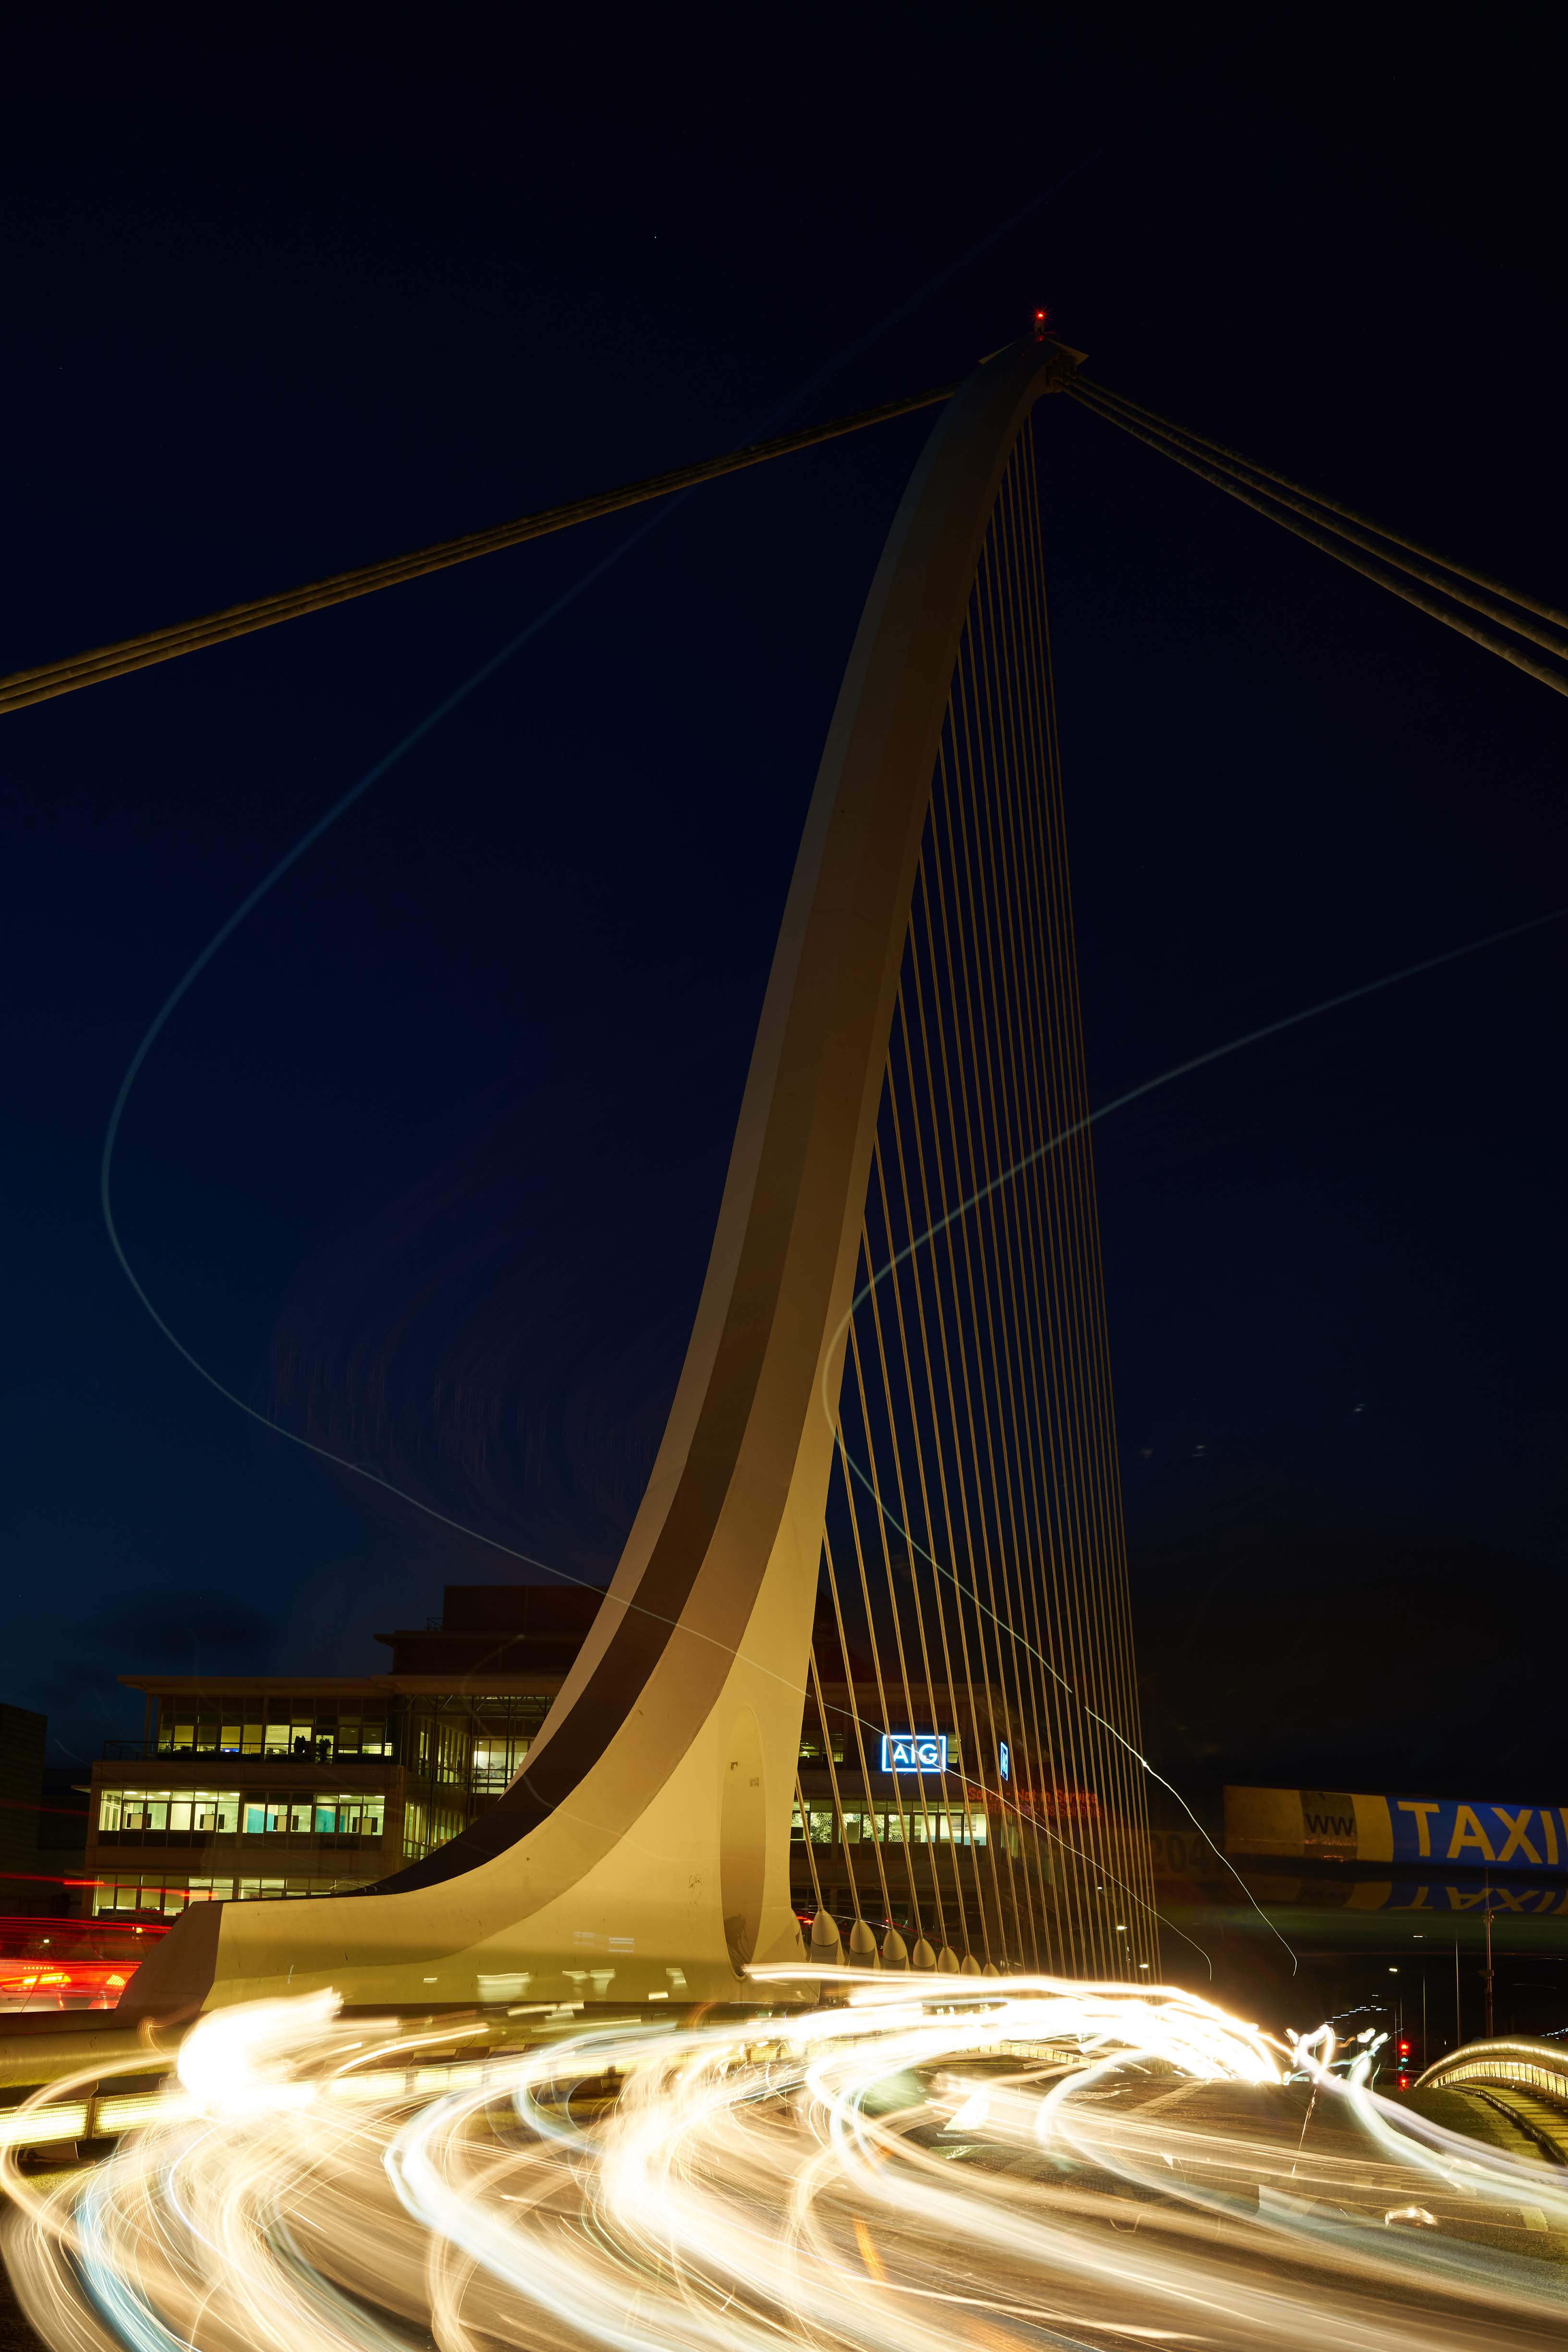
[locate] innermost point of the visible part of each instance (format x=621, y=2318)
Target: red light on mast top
x=1041, y=322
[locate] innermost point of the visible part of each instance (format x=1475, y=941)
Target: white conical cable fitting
x=991, y=1969
x=972, y=1967
x=862, y=1948
x=826, y=1944
x=947, y=1961
x=923, y=1956
x=895, y=1951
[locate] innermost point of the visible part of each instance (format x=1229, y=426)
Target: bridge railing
x=1528, y=2065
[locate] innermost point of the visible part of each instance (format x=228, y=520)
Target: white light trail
x=915, y=2165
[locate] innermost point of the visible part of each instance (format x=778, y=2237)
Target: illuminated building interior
x=262, y=1787
x=256, y=1787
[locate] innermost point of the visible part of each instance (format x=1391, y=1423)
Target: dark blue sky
x=427, y=1162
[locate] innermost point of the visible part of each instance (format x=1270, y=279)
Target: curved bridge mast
x=644, y=1849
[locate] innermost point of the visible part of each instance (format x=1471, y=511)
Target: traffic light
x=1402, y=2051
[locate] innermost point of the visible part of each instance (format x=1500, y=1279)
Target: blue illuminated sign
x=1474, y=1836
x=915, y=1751
x=1005, y=1759
x=1446, y=1834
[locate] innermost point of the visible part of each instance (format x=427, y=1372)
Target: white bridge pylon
x=642, y=1852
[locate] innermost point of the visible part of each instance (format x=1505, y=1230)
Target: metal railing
x=318, y=1750
x=1527, y=2065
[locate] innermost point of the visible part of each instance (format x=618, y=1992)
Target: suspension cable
x=64, y=676
x=1336, y=506
x=1340, y=531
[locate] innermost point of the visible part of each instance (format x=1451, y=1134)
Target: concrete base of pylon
x=861, y=1951
x=827, y=1943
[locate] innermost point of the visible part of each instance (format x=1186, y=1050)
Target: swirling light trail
x=909, y=2167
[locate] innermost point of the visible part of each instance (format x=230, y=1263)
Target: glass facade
x=424, y=1826
x=244, y=1784
x=160, y=1816
x=452, y=1740
x=127, y=1893
x=280, y=1726
x=441, y=1757
x=496, y=1758
x=863, y=1824
x=933, y=1851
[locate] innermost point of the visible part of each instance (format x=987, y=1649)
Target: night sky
x=427, y=1162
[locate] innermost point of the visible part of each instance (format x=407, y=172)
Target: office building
x=257, y=1786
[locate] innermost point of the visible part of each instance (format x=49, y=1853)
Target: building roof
x=497, y=1628
x=501, y=1685
x=508, y=1640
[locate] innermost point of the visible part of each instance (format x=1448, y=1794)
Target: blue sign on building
x=1004, y=1759
x=1432, y=1832
x=1479, y=1834
x=915, y=1751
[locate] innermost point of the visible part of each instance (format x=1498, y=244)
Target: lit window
x=359, y=1816
x=495, y=1761
x=155, y=1813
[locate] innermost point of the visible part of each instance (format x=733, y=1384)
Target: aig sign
x=915, y=1751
